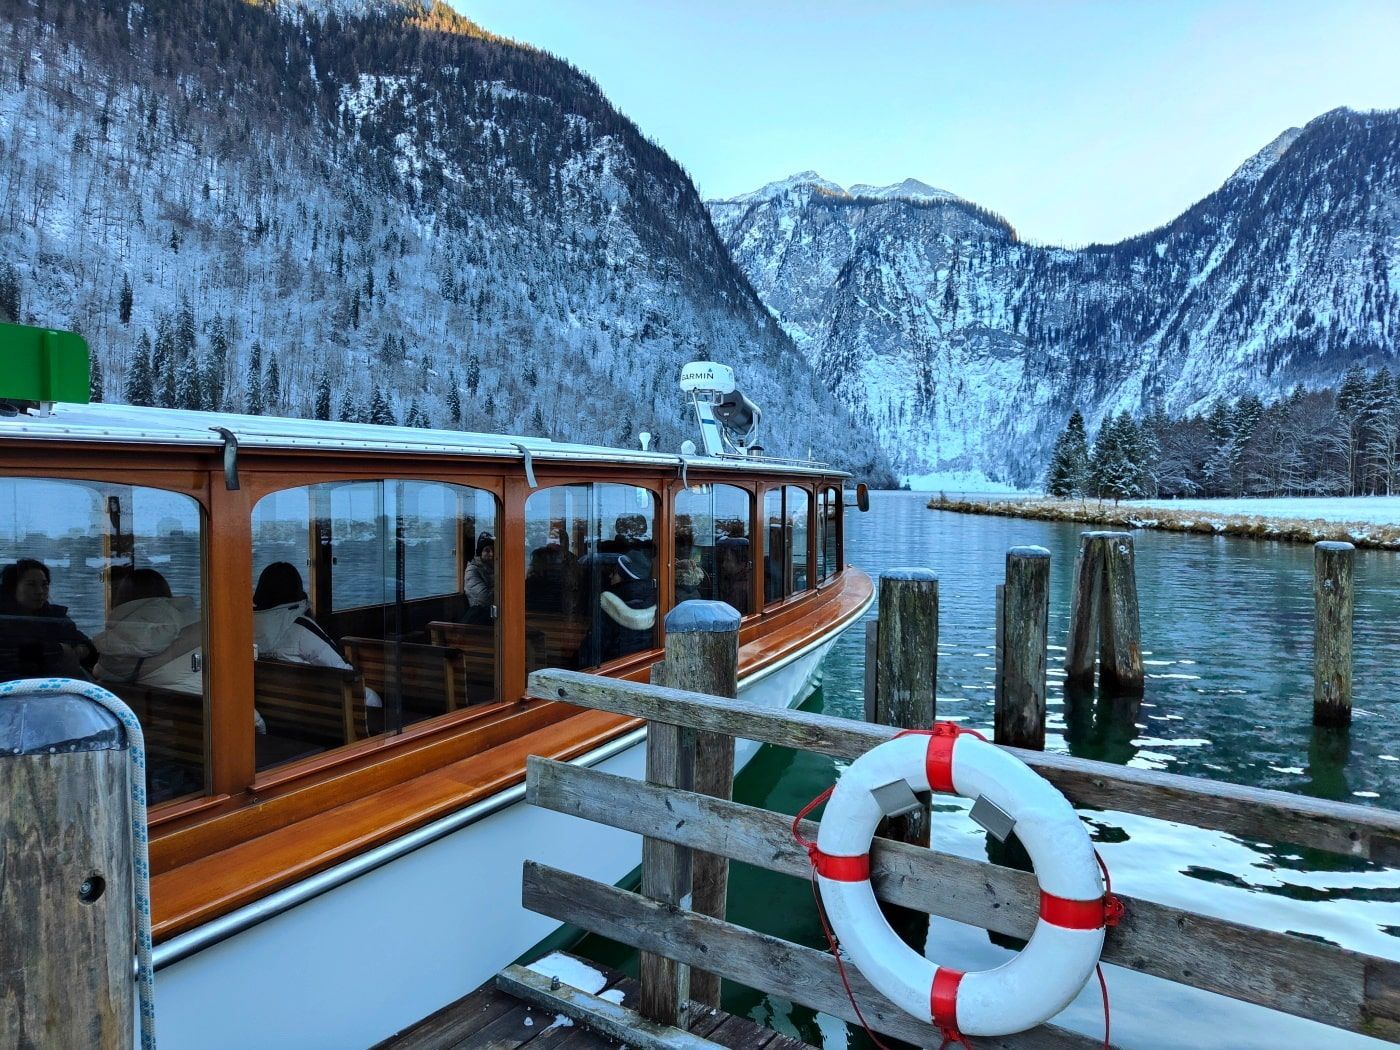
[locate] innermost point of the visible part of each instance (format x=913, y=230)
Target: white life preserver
x=1074, y=909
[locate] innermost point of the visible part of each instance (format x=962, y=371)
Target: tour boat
x=326, y=630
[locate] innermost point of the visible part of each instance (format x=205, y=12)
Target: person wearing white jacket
x=284, y=629
x=152, y=638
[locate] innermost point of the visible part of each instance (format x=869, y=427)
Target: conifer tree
x=217, y=366
x=417, y=417
x=323, y=397
x=254, y=404
x=272, y=386
x=379, y=410
x=125, y=301
x=139, y=389
x=454, y=402
x=473, y=375
x=188, y=392
x=1067, y=474
x=537, y=426
x=9, y=293
x=95, y=380
x=1113, y=467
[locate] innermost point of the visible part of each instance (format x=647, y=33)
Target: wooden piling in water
x=1022, y=639
x=702, y=655
x=1084, y=605
x=906, y=668
x=1120, y=630
x=1333, y=602
x=1104, y=610
x=67, y=920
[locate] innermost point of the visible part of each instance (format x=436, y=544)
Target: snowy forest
x=1341, y=441
x=268, y=208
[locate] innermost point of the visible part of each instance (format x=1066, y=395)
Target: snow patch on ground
x=959, y=481
x=1378, y=510
x=571, y=972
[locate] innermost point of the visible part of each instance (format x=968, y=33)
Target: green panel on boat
x=40, y=364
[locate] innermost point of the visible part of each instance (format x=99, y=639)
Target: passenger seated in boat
x=548, y=587
x=626, y=618
x=37, y=639
x=152, y=637
x=284, y=629
x=690, y=576
x=479, y=582
x=732, y=557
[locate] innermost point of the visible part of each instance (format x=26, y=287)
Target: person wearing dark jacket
x=37, y=639
x=626, y=617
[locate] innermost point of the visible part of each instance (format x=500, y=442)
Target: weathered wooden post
x=1333, y=598
x=1023, y=637
x=1084, y=606
x=67, y=918
x=1120, y=630
x=1104, y=609
x=702, y=655
x=906, y=669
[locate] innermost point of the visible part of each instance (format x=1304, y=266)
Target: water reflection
x=1226, y=627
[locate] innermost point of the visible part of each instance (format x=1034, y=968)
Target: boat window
x=714, y=560
x=590, y=580
x=104, y=582
x=374, y=608
x=785, y=512
x=828, y=533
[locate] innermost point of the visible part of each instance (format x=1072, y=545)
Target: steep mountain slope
x=966, y=349
x=368, y=207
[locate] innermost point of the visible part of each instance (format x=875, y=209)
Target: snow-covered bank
x=1183, y=517
x=960, y=481
x=1378, y=510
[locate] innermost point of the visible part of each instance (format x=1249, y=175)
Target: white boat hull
x=371, y=956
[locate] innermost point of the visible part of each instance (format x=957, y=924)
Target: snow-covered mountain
x=966, y=348
x=369, y=207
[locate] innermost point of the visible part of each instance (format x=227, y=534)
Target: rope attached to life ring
x=856, y=868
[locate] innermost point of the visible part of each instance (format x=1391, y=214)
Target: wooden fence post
x=67, y=918
x=702, y=655
x=1024, y=634
x=907, y=668
x=1120, y=630
x=1084, y=614
x=1333, y=599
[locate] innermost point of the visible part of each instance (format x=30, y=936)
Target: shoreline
x=1363, y=534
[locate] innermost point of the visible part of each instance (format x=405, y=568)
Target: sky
x=1078, y=122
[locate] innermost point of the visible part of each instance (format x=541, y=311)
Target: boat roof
x=132, y=424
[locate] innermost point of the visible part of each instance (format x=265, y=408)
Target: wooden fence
x=1293, y=974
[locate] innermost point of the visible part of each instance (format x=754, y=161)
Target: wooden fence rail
x=1251, y=813
x=1345, y=989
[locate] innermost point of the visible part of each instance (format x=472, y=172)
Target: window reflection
x=713, y=556
x=785, y=513
x=104, y=582
x=828, y=532
x=364, y=620
x=590, y=581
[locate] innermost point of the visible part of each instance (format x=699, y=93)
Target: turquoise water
x=1226, y=629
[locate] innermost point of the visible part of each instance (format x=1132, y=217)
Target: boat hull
x=373, y=955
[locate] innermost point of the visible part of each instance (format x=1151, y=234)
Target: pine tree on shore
x=139, y=389
x=1069, y=464
x=323, y=397
x=1114, y=467
x=380, y=412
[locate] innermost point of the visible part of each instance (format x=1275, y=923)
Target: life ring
x=1074, y=909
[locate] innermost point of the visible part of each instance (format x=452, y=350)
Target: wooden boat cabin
x=326, y=628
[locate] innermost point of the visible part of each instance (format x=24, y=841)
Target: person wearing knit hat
x=626, y=615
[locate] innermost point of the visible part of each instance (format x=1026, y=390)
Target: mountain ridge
x=965, y=348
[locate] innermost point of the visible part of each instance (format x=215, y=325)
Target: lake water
x=1226, y=627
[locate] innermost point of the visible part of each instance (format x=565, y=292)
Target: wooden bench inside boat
x=323, y=706
x=431, y=678
x=171, y=722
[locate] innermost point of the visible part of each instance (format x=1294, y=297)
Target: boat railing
x=1292, y=973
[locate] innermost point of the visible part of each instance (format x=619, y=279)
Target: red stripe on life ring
x=943, y=997
x=1072, y=915
x=842, y=869
x=938, y=762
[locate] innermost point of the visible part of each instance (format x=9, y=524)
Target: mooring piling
x=702, y=654
x=1104, y=608
x=1333, y=603
x=67, y=918
x=1022, y=636
x=906, y=668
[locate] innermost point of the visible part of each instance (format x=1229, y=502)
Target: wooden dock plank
x=454, y=1023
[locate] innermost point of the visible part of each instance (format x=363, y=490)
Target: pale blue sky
x=1078, y=122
